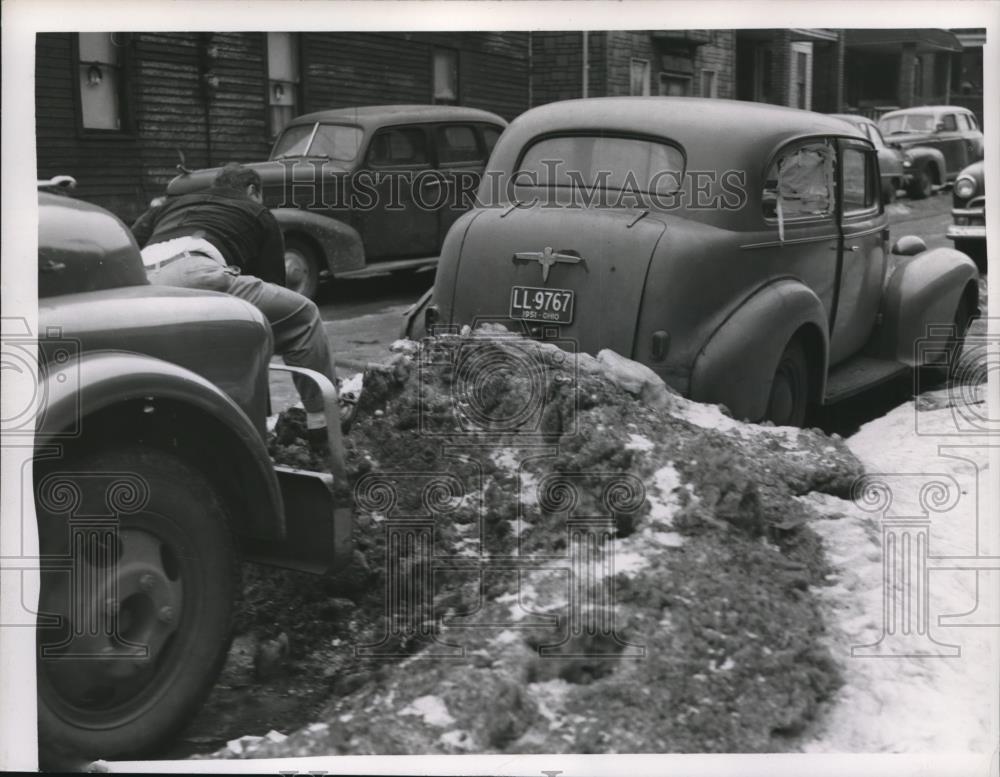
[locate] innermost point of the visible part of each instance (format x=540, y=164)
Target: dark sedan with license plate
x=739, y=250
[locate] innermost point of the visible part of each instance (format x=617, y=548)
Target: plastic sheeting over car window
x=801, y=183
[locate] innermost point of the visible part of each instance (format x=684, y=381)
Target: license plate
x=552, y=306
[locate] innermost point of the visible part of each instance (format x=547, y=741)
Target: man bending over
x=224, y=239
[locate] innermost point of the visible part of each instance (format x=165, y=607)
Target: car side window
x=948, y=123
x=800, y=182
x=963, y=122
x=398, y=146
x=490, y=137
x=973, y=124
x=858, y=177
x=457, y=143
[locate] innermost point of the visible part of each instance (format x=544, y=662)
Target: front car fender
x=101, y=380
x=922, y=292
x=736, y=365
x=927, y=155
x=339, y=244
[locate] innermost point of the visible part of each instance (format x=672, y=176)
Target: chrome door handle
x=853, y=249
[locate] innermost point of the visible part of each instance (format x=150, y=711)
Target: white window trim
x=646, y=87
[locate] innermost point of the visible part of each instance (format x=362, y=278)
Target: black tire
x=921, y=185
x=302, y=267
x=789, y=398
x=962, y=320
x=162, y=576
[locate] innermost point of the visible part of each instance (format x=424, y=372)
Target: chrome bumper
x=957, y=232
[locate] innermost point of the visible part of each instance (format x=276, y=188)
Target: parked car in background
x=150, y=466
x=892, y=163
x=939, y=140
x=370, y=189
x=739, y=250
x=968, y=229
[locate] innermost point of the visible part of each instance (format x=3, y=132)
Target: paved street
x=363, y=317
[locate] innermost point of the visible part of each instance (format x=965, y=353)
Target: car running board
x=395, y=265
x=858, y=374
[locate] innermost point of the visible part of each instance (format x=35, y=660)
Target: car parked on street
x=150, y=471
x=372, y=189
x=968, y=229
x=939, y=140
x=893, y=164
x=739, y=250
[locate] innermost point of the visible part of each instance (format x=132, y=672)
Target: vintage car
x=359, y=191
x=739, y=250
x=150, y=472
x=893, y=165
x=969, y=214
x=939, y=141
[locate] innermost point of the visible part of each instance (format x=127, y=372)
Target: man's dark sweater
x=244, y=231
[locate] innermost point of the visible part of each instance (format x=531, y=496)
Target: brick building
x=112, y=109
x=624, y=62
x=801, y=68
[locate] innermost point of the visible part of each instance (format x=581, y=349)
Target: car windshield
x=603, y=162
x=908, y=122
x=333, y=141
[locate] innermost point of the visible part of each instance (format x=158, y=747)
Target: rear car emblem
x=546, y=259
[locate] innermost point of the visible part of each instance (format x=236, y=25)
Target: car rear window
x=909, y=122
x=615, y=163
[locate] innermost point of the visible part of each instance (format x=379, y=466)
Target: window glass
x=859, y=194
x=800, y=183
x=948, y=123
x=334, y=141
x=606, y=162
x=403, y=146
x=709, y=86
x=963, y=123
x=457, y=143
x=674, y=86
x=490, y=137
x=283, y=78
x=639, y=82
x=100, y=80
x=876, y=136
x=445, y=76
x=907, y=122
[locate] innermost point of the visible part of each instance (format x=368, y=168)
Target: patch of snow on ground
x=636, y=442
x=353, y=385
x=431, y=709
x=909, y=702
x=706, y=416
x=664, y=504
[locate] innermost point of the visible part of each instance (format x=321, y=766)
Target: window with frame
x=398, y=146
x=490, y=137
x=948, y=123
x=282, y=79
x=445, y=77
x=709, y=84
x=800, y=183
x=639, y=78
x=674, y=85
x=457, y=143
x=101, y=80
x=858, y=178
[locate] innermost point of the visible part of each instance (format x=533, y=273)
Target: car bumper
x=971, y=232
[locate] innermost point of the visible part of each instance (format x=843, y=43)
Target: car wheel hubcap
x=119, y=607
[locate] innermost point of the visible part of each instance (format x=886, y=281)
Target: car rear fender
x=736, y=365
x=932, y=158
x=338, y=244
x=110, y=396
x=922, y=292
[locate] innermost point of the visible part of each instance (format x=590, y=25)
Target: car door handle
x=853, y=249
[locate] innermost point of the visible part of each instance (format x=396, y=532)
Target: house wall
x=171, y=103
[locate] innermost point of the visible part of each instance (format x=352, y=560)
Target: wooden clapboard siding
x=171, y=106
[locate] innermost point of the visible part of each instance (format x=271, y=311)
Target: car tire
x=921, y=185
x=302, y=267
x=789, y=397
x=160, y=575
x=963, y=318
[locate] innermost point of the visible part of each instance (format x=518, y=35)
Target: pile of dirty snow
x=556, y=553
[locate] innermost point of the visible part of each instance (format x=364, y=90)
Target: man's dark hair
x=236, y=176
